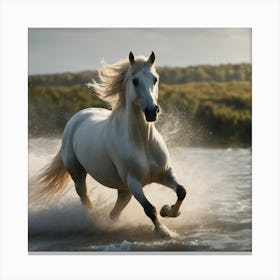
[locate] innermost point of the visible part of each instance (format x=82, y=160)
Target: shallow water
x=215, y=216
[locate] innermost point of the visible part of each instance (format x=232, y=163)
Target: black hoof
x=164, y=210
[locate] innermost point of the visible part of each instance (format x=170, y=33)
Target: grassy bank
x=214, y=111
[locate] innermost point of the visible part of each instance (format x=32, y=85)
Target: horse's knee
x=181, y=192
x=150, y=211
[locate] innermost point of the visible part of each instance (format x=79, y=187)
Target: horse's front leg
x=169, y=180
x=136, y=189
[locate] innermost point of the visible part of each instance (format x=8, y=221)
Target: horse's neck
x=138, y=129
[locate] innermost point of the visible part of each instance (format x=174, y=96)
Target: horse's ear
x=131, y=58
x=152, y=58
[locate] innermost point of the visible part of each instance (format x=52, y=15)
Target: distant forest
x=209, y=105
x=168, y=75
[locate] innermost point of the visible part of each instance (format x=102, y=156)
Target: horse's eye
x=135, y=81
x=155, y=80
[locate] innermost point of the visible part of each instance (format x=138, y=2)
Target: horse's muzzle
x=151, y=113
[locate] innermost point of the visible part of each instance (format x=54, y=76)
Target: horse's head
x=143, y=85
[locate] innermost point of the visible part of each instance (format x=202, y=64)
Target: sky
x=59, y=50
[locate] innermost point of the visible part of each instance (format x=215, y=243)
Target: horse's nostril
x=157, y=109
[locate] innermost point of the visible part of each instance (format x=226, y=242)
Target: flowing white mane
x=112, y=79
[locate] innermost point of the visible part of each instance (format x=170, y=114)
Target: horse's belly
x=106, y=174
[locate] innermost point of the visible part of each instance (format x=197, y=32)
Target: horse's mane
x=112, y=79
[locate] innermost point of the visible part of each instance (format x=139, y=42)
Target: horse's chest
x=155, y=162
x=148, y=164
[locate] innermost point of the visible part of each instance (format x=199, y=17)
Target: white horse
x=120, y=148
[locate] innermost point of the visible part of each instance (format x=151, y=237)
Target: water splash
x=216, y=214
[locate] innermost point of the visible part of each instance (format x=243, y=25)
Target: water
x=215, y=216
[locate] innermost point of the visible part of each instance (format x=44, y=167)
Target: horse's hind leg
x=78, y=175
x=81, y=189
x=124, y=196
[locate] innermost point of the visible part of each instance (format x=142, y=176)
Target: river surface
x=216, y=215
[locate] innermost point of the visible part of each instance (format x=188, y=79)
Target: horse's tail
x=54, y=178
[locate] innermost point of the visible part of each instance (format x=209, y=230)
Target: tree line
x=203, y=112
x=168, y=75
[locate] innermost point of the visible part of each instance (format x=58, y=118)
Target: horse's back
x=92, y=114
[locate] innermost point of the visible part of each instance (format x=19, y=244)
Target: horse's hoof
x=164, y=210
x=163, y=232
x=167, y=211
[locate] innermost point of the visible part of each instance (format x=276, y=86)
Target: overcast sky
x=71, y=50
